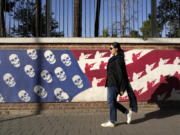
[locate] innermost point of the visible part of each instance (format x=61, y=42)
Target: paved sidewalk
x=88, y=123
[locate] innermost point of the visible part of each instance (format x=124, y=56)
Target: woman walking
x=117, y=83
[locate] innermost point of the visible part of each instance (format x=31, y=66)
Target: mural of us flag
x=79, y=75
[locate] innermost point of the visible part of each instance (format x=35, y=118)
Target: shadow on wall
x=168, y=90
x=166, y=96
x=38, y=79
x=177, y=48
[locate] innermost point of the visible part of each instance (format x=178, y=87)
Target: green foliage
x=174, y=30
x=114, y=34
x=146, y=29
x=105, y=33
x=134, y=33
x=25, y=15
x=168, y=13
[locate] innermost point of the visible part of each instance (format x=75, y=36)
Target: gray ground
x=166, y=122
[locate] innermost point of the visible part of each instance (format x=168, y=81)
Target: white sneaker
x=108, y=124
x=129, y=117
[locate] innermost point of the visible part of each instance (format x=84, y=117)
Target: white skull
x=65, y=58
x=32, y=53
x=40, y=91
x=61, y=95
x=29, y=70
x=50, y=57
x=9, y=80
x=24, y=96
x=60, y=74
x=1, y=99
x=46, y=76
x=77, y=81
x=14, y=59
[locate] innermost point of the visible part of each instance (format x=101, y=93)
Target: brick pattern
x=143, y=106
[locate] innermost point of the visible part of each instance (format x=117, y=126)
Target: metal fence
x=108, y=18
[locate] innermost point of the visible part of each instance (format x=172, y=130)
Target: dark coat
x=117, y=77
x=116, y=73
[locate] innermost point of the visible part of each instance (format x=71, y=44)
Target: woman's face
x=113, y=50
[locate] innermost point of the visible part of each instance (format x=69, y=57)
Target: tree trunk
x=48, y=17
x=2, y=21
x=38, y=18
x=125, y=3
x=97, y=18
x=123, y=23
x=153, y=18
x=77, y=18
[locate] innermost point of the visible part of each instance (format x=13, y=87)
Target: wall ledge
x=89, y=40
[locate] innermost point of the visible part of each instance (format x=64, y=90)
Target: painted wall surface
x=79, y=75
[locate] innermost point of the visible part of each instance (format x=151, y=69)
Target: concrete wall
x=153, y=67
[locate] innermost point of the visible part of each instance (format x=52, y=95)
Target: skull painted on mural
x=46, y=76
x=9, y=80
x=40, y=91
x=14, y=59
x=50, y=57
x=77, y=81
x=65, y=58
x=32, y=53
x=1, y=99
x=60, y=74
x=61, y=95
x=24, y=96
x=29, y=70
